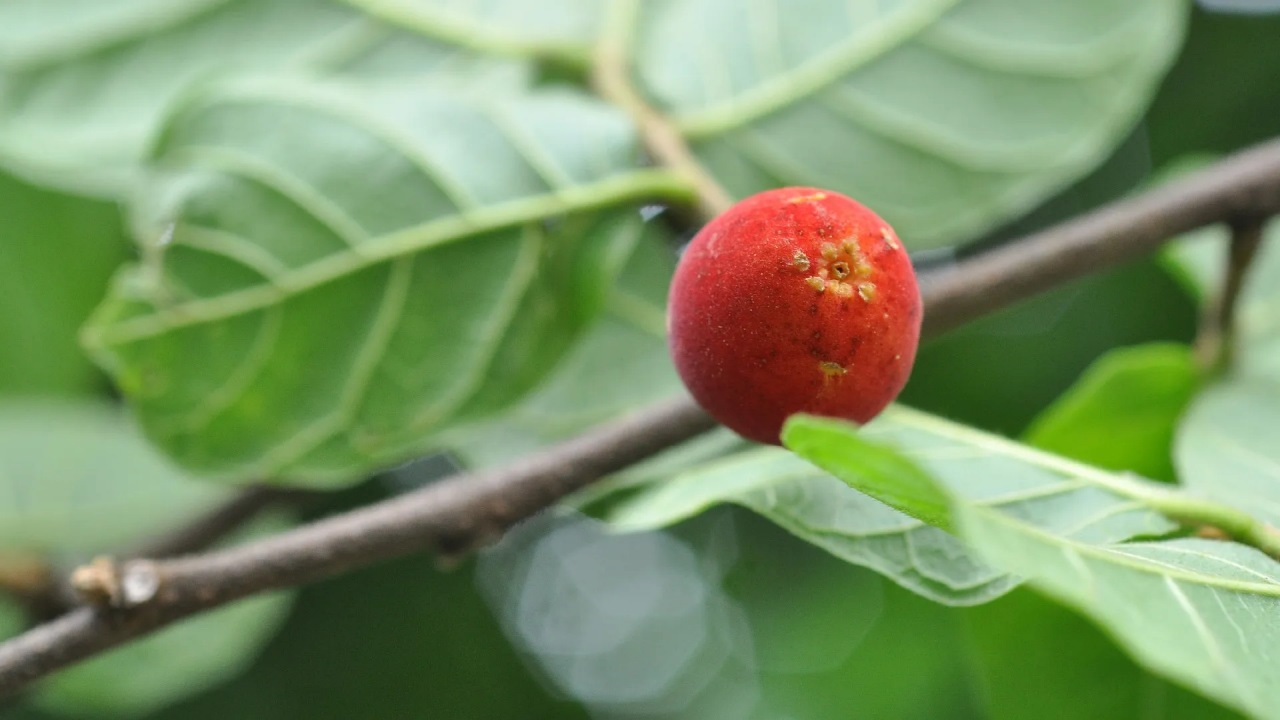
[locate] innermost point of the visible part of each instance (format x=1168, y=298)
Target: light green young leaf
x=1122, y=413
x=303, y=323
x=84, y=83
x=76, y=477
x=179, y=661
x=946, y=116
x=1200, y=612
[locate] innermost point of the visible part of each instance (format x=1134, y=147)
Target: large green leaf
x=823, y=511
x=180, y=660
x=1037, y=659
x=75, y=477
x=519, y=27
x=1122, y=413
x=84, y=83
x=620, y=365
x=56, y=256
x=1226, y=445
x=82, y=93
x=313, y=315
x=946, y=116
x=1201, y=612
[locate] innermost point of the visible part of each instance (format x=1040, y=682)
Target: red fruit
x=794, y=300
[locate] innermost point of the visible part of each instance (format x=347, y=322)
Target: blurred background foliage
x=801, y=634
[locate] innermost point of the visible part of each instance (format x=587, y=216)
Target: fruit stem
x=611, y=78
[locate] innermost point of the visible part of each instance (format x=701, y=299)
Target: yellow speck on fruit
x=815, y=197
x=889, y=239
x=816, y=283
x=851, y=246
x=841, y=289
x=840, y=270
x=867, y=291
x=862, y=267
x=832, y=369
x=829, y=251
x=800, y=262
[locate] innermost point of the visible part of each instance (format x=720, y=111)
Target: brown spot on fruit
x=730, y=305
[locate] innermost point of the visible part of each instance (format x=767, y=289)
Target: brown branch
x=1242, y=185
x=460, y=513
x=1215, y=341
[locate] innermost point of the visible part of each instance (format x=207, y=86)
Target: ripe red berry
x=794, y=300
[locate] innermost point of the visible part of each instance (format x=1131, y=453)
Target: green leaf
x=56, y=256
x=946, y=116
x=621, y=364
x=939, y=461
x=1200, y=612
x=1036, y=659
x=877, y=470
x=511, y=27
x=302, y=324
x=75, y=477
x=84, y=84
x=823, y=511
x=1225, y=448
x=180, y=660
x=1122, y=413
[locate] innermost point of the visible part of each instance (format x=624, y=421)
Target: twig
x=207, y=529
x=612, y=79
x=452, y=514
x=1215, y=341
x=1246, y=184
x=463, y=512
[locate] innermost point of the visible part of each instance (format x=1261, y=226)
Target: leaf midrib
x=784, y=89
x=631, y=185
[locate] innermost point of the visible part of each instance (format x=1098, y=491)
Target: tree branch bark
x=459, y=513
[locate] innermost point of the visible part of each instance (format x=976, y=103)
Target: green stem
x=1192, y=511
